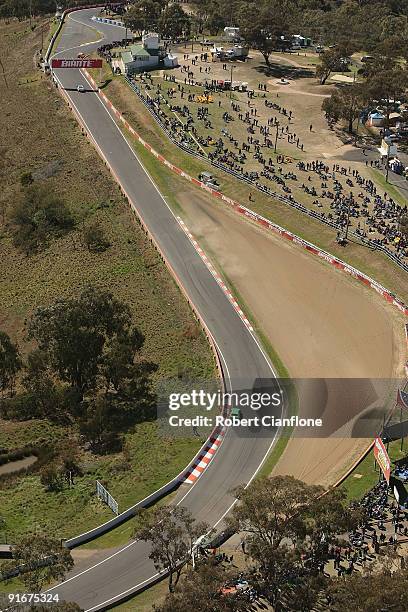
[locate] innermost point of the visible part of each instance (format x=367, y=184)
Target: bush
x=37, y=216
x=95, y=239
x=51, y=478
x=19, y=408
x=26, y=179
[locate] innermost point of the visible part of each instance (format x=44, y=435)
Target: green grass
x=53, y=25
x=150, y=462
x=366, y=474
x=144, y=601
x=276, y=453
x=392, y=191
x=10, y=586
x=122, y=534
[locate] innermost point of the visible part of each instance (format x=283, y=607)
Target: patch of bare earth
x=322, y=324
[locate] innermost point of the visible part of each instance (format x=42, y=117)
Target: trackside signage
x=76, y=63
x=382, y=458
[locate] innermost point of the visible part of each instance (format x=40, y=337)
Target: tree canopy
x=143, y=15
x=42, y=558
x=174, y=22
x=172, y=533
x=346, y=103
x=285, y=522
x=86, y=368
x=264, y=24
x=10, y=363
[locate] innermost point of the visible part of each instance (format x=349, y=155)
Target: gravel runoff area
x=321, y=323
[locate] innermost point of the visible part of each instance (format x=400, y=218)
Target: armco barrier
x=64, y=14
x=253, y=216
x=184, y=474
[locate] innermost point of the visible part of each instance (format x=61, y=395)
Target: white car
x=80, y=88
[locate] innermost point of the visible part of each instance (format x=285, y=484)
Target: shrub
x=26, y=179
x=37, y=216
x=51, y=478
x=95, y=239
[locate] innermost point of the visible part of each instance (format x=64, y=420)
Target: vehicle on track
x=236, y=412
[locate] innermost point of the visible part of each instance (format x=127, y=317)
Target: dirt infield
x=321, y=322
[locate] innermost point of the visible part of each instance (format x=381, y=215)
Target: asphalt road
x=243, y=360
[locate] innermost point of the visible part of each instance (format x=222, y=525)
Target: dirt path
x=321, y=322
x=286, y=87
x=16, y=466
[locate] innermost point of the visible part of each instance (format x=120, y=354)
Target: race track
x=98, y=585
x=243, y=361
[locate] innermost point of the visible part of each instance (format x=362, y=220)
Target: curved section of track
x=243, y=360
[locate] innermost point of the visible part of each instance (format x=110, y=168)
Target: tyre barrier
x=108, y=21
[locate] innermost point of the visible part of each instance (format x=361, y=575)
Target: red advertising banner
x=382, y=458
x=76, y=63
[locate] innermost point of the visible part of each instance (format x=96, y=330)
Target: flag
x=402, y=399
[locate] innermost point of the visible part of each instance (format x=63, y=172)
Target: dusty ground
x=321, y=323
x=303, y=95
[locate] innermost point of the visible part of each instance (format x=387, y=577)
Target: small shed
x=376, y=119
x=171, y=61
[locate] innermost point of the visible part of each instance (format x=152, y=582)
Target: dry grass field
x=40, y=136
